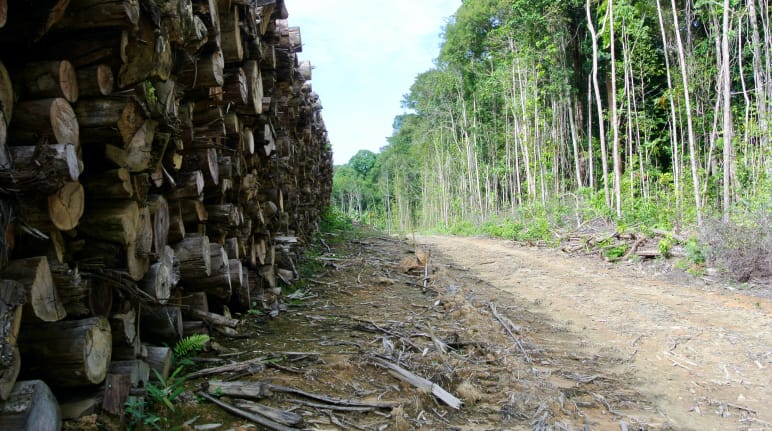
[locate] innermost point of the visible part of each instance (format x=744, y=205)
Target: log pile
x=161, y=161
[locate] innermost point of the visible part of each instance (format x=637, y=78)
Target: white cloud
x=366, y=55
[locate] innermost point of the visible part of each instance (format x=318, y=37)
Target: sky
x=366, y=55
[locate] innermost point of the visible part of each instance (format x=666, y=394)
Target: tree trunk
x=81, y=296
x=114, y=184
x=113, y=221
x=159, y=359
x=69, y=353
x=31, y=406
x=12, y=299
x=50, y=79
x=218, y=284
x=148, y=56
x=95, y=81
x=161, y=324
x=37, y=120
x=726, y=93
x=96, y=14
x=42, y=297
x=42, y=168
x=689, y=116
x=194, y=257
x=230, y=33
x=65, y=207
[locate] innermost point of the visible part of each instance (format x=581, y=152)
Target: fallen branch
x=257, y=390
x=261, y=420
x=330, y=400
x=506, y=324
x=420, y=382
x=426, y=274
x=215, y=319
x=278, y=415
x=252, y=364
x=333, y=406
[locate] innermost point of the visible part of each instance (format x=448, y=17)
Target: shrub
x=742, y=250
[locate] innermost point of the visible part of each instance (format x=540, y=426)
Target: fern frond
x=190, y=344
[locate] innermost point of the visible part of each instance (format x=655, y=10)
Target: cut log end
x=68, y=81
x=65, y=207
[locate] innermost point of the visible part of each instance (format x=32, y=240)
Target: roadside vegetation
x=541, y=116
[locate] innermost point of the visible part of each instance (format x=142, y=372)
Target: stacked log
x=165, y=160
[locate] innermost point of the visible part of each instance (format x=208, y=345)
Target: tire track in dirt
x=701, y=356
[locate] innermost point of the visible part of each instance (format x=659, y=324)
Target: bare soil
x=529, y=339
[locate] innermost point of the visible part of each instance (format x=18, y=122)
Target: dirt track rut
x=701, y=355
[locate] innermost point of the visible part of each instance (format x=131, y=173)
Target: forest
x=539, y=116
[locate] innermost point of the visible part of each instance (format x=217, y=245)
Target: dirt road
x=526, y=338
x=701, y=356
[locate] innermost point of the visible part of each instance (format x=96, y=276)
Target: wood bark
x=113, y=221
x=124, y=329
x=235, y=89
x=194, y=257
x=30, y=406
x=194, y=301
x=12, y=299
x=97, y=14
x=53, y=119
x=50, y=79
x=159, y=210
x=31, y=21
x=81, y=296
x=69, y=353
x=66, y=205
x=148, y=56
x=161, y=324
x=160, y=360
x=116, y=393
x=42, y=297
x=206, y=71
x=41, y=168
x=95, y=81
x=6, y=94
x=217, y=284
x=138, y=371
x=110, y=119
x=230, y=33
x=113, y=184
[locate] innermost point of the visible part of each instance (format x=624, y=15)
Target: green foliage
x=150, y=96
x=157, y=410
x=615, y=252
x=665, y=245
x=694, y=251
x=494, y=134
x=334, y=220
x=190, y=344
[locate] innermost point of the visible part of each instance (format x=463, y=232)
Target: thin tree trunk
x=598, y=104
x=615, y=118
x=727, y=113
x=689, y=119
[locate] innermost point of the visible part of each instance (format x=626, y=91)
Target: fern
x=190, y=344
